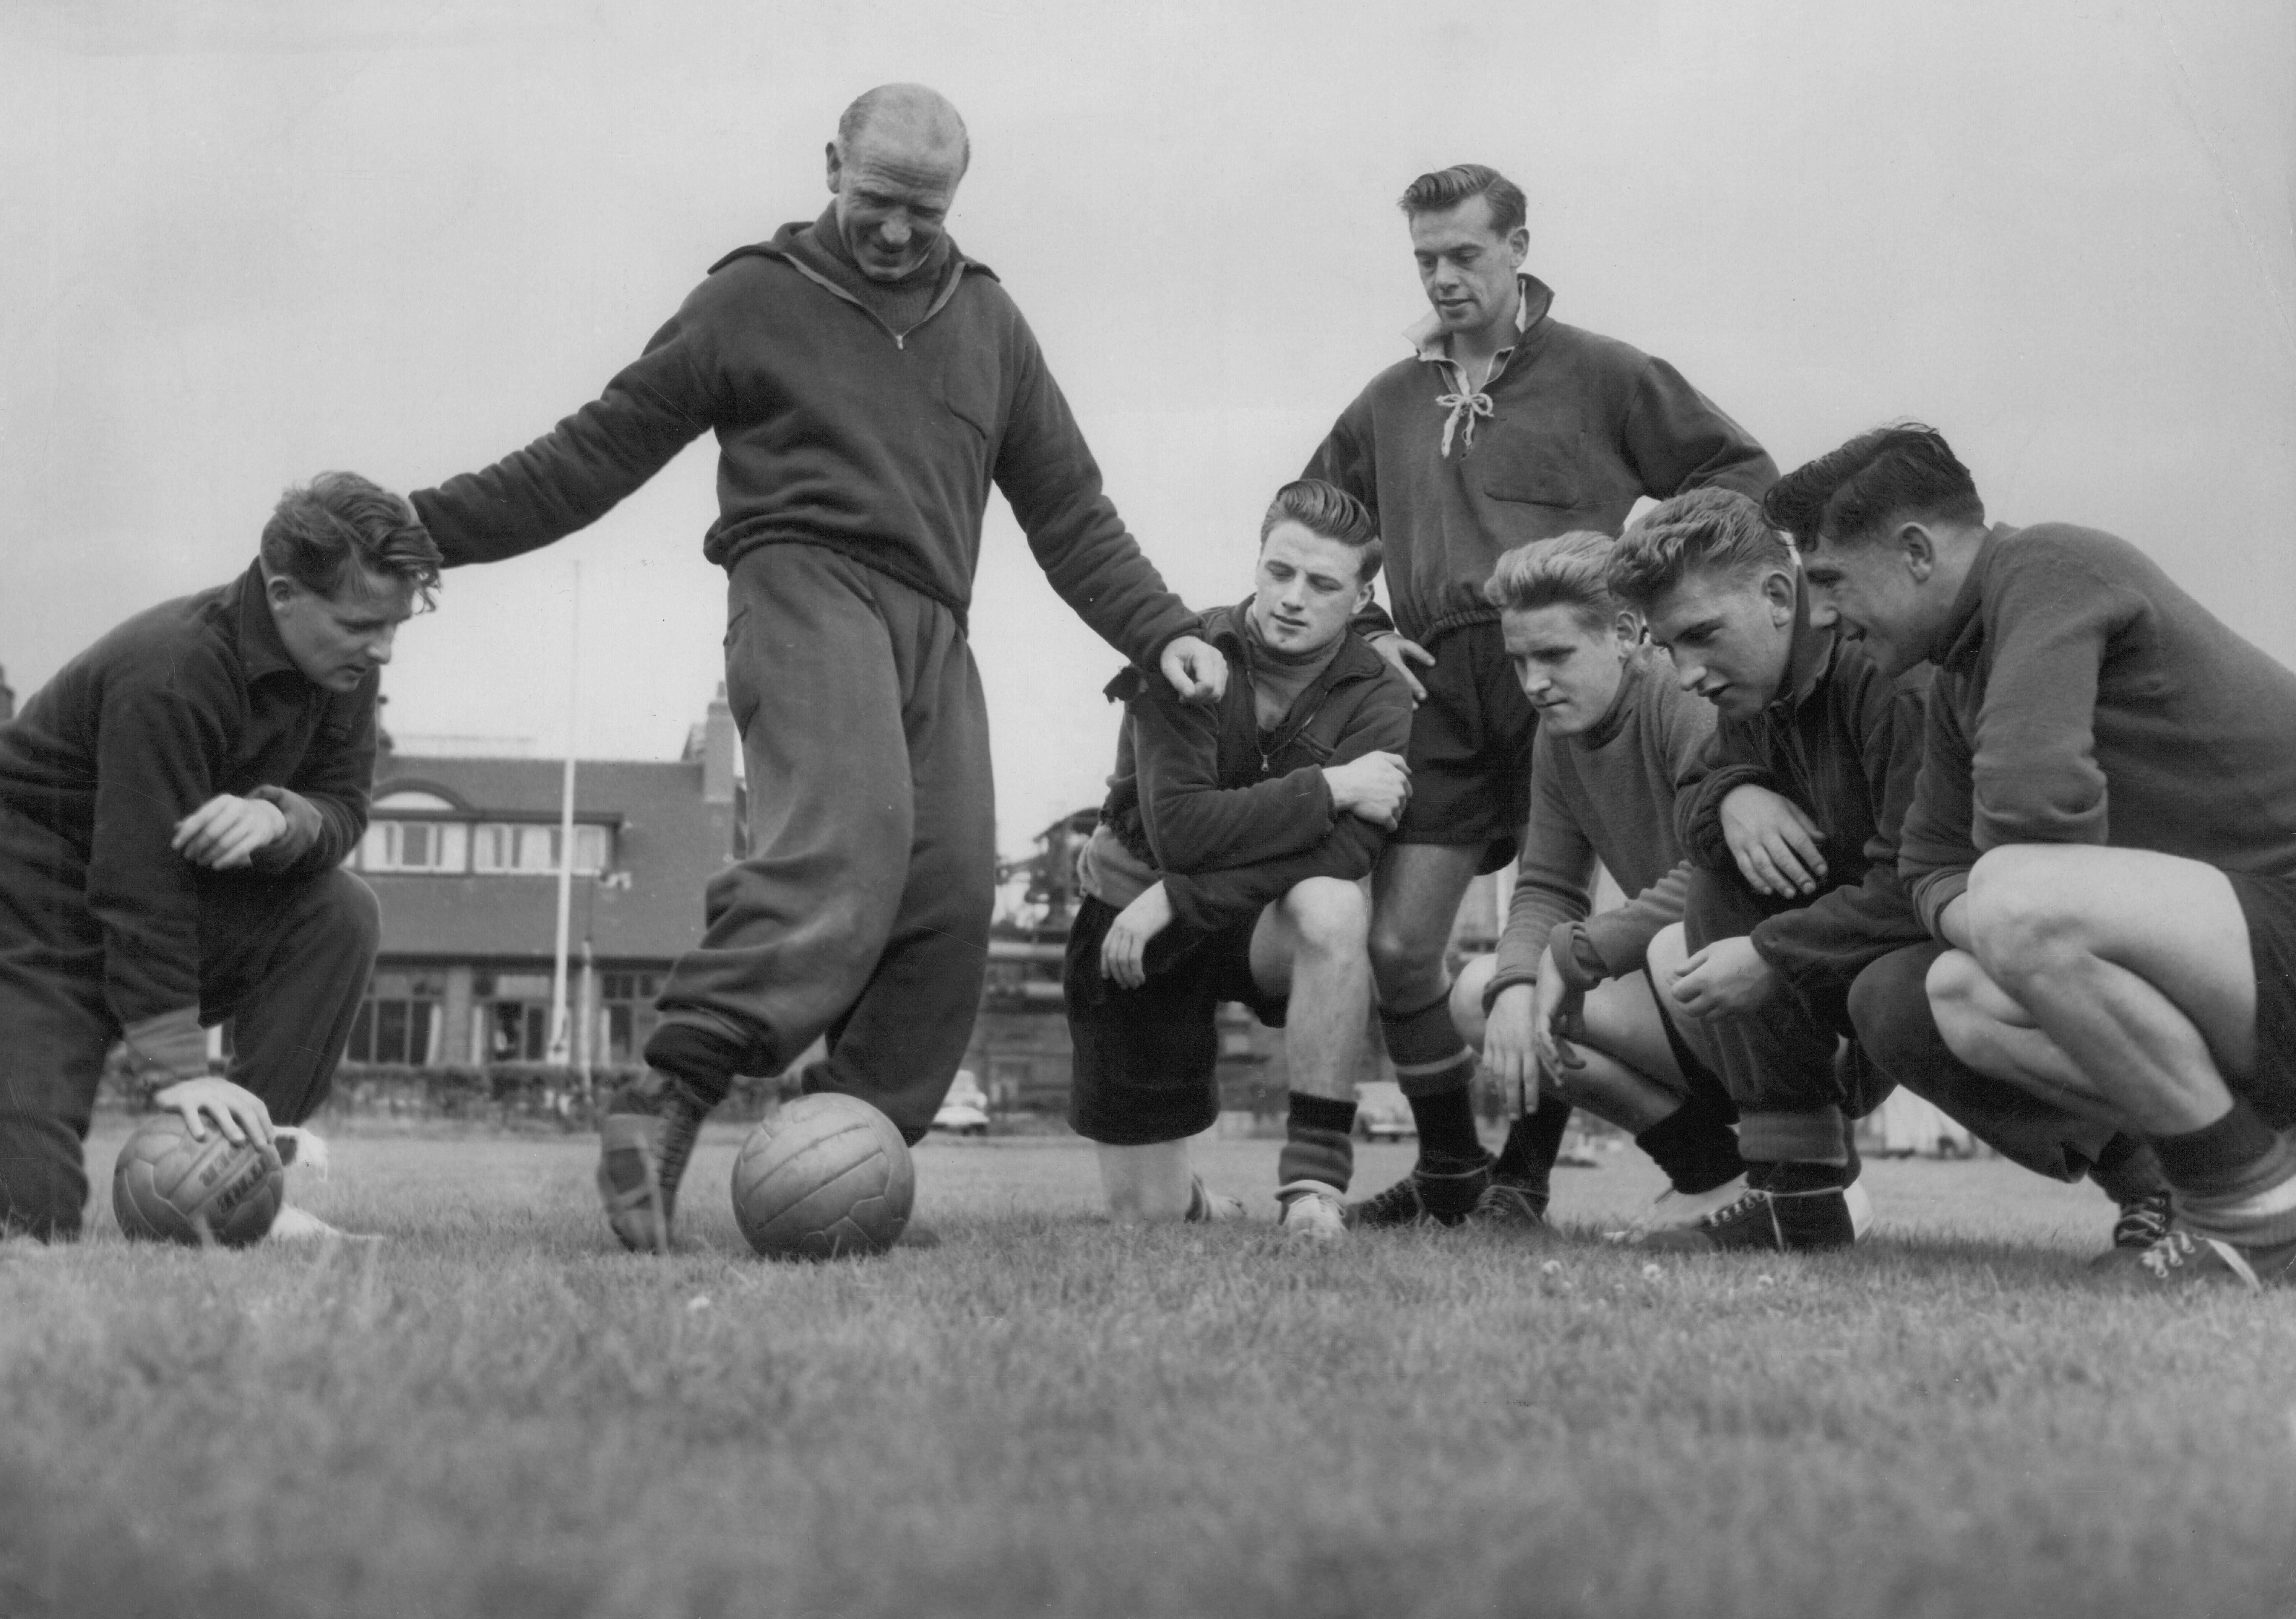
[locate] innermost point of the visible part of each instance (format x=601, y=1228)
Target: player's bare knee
x=2023, y=922
x=1407, y=975
x=1331, y=917
x=1667, y=952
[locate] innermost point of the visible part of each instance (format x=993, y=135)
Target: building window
x=625, y=1016
x=400, y=1021
x=512, y=1017
x=416, y=846
x=514, y=848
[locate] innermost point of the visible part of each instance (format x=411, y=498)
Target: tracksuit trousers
x=861, y=910
x=286, y=960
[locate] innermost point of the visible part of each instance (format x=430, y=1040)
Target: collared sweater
x=1607, y=796
x=1230, y=816
x=1844, y=741
x=1578, y=428
x=2083, y=697
x=192, y=698
x=835, y=430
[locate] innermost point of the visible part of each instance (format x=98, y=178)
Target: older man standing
x=1503, y=426
x=867, y=382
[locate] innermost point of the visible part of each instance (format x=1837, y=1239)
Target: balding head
x=915, y=117
x=899, y=151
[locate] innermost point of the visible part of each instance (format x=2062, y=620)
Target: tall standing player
x=1504, y=426
x=867, y=384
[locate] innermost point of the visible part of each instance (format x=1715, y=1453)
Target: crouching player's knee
x=1330, y=917
x=2023, y=920
x=1960, y=1000
x=1890, y=1008
x=1669, y=953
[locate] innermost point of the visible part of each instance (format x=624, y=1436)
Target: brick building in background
x=462, y=851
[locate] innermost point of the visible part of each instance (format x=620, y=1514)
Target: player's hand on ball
x=225, y=832
x=1123, y=953
x=1727, y=978
x=1510, y=1052
x=1773, y=841
x=1373, y=788
x=238, y=1112
x=1196, y=668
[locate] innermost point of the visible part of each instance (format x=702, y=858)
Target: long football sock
x=2234, y=1179
x=1447, y=1139
x=1533, y=1143
x=1696, y=1148
x=1318, y=1142
x=1434, y=1066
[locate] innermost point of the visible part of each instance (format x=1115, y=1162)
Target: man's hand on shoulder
x=225, y=833
x=1401, y=653
x=1196, y=668
x=1373, y=788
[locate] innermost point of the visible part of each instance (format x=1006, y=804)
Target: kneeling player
x=1617, y=738
x=1227, y=866
x=2106, y=831
x=176, y=807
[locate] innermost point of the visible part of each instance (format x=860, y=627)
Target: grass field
x=493, y=1413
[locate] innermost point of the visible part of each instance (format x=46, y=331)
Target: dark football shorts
x=2268, y=904
x=1470, y=750
x=1146, y=1059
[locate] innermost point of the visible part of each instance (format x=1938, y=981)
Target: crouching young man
x=1618, y=741
x=176, y=807
x=2105, y=834
x=1227, y=866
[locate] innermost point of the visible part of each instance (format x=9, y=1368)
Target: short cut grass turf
x=494, y=1412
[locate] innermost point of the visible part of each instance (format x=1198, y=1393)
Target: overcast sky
x=246, y=242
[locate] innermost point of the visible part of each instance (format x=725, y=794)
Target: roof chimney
x=721, y=746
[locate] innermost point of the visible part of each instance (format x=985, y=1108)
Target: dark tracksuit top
x=1578, y=428
x=834, y=431
x=1232, y=818
x=190, y=699
x=1843, y=742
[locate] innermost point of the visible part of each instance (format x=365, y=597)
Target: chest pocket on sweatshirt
x=1537, y=463
x=972, y=386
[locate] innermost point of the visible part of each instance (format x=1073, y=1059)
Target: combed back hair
x=1851, y=494
x=341, y=530
x=1447, y=188
x=1705, y=530
x=854, y=120
x=1328, y=510
x=1569, y=570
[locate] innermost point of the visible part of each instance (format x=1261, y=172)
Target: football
x=827, y=1177
x=167, y=1187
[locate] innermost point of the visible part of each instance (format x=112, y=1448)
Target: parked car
x=965, y=1110
x=1382, y=1113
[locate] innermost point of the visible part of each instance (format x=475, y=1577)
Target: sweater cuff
x=172, y=1042
x=1501, y=982
x=1934, y=892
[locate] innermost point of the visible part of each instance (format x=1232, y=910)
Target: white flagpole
x=561, y=1021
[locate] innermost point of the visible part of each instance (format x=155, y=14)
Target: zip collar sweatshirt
x=1232, y=816
x=1568, y=432
x=835, y=430
x=2083, y=697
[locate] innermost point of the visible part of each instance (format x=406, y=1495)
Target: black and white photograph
x=1280, y=811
